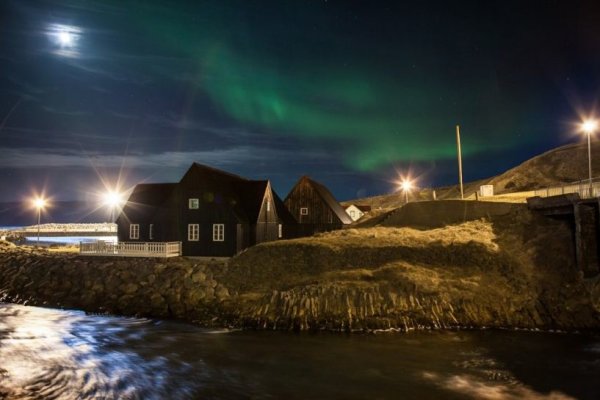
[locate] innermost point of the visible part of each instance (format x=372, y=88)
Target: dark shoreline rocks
x=169, y=288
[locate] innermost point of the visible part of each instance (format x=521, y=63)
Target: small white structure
x=486, y=190
x=356, y=212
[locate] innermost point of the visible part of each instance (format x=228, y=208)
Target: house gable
x=312, y=203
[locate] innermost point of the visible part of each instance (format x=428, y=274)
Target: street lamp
x=406, y=186
x=589, y=127
x=113, y=200
x=39, y=203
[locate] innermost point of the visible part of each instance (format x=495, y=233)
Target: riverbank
x=515, y=270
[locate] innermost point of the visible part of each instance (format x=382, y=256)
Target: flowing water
x=55, y=354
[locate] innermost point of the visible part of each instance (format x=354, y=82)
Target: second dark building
x=314, y=208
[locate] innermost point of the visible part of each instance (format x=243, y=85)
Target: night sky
x=351, y=93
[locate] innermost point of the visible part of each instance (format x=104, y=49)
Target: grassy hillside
x=510, y=270
x=561, y=165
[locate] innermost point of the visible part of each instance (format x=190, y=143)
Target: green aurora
x=370, y=112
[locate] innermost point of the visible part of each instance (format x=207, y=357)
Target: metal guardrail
x=582, y=188
x=129, y=249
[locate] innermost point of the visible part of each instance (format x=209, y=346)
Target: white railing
x=131, y=249
x=583, y=188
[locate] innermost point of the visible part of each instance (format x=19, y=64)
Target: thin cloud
x=74, y=113
x=34, y=158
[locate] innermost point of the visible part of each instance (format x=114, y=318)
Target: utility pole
x=460, y=177
x=590, y=164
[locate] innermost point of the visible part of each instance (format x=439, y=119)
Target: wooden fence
x=130, y=249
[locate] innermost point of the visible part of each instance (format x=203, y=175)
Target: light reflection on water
x=53, y=354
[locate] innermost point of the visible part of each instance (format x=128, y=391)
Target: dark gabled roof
x=328, y=198
x=233, y=189
x=331, y=201
x=144, y=198
x=244, y=195
x=217, y=172
x=248, y=195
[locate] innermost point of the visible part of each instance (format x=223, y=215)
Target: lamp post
x=589, y=127
x=39, y=204
x=406, y=187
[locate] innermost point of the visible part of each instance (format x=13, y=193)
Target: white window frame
x=279, y=231
x=268, y=205
x=218, y=232
x=150, y=231
x=134, y=231
x=351, y=212
x=193, y=232
x=303, y=210
x=192, y=202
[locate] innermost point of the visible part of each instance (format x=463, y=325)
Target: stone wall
x=162, y=288
x=434, y=214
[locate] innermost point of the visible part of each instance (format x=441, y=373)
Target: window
x=280, y=231
x=352, y=214
x=193, y=232
x=193, y=204
x=150, y=233
x=218, y=232
x=134, y=231
x=303, y=210
x=268, y=205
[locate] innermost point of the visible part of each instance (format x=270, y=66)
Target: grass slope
x=561, y=165
x=514, y=270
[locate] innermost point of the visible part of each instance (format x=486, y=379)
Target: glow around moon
x=64, y=39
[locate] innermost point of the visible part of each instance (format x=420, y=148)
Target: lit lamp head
x=39, y=203
x=112, y=199
x=589, y=126
x=406, y=185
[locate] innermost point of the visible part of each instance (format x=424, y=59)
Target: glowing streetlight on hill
x=589, y=127
x=406, y=186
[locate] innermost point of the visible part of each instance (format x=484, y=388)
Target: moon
x=65, y=38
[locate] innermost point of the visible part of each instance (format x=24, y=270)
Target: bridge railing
x=66, y=228
x=130, y=249
x=583, y=188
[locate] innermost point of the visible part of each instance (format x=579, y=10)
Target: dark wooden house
x=212, y=212
x=314, y=208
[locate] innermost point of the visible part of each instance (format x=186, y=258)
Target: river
x=57, y=354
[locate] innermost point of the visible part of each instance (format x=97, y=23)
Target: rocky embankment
x=515, y=270
x=161, y=288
